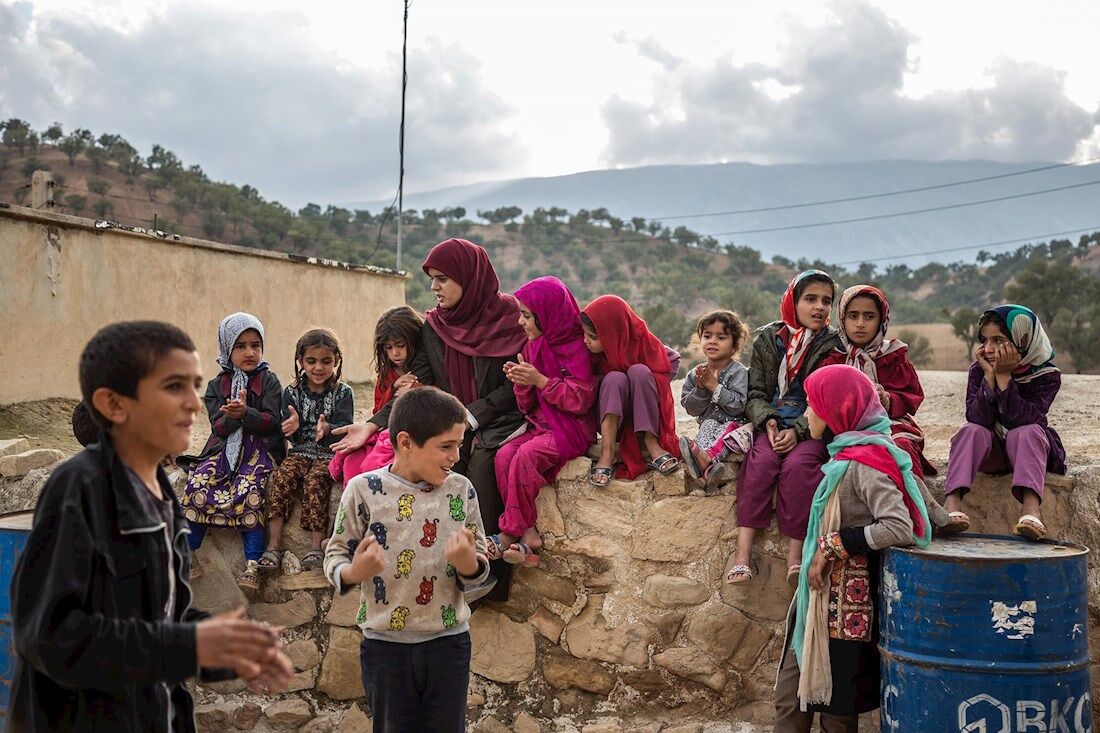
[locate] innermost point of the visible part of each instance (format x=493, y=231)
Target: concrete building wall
x=61, y=279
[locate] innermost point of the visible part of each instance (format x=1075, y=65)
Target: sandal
x=665, y=464
x=690, y=464
x=270, y=561
x=792, y=575
x=527, y=558
x=739, y=574
x=960, y=522
x=313, y=560
x=493, y=547
x=717, y=475
x=250, y=578
x=1031, y=527
x=600, y=476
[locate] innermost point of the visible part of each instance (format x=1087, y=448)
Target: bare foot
x=532, y=538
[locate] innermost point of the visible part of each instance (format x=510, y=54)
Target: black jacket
x=88, y=605
x=495, y=409
x=264, y=399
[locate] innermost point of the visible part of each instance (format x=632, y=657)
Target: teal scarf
x=875, y=433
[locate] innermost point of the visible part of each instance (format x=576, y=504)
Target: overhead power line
x=884, y=194
x=964, y=248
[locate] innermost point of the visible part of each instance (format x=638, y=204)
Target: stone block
x=549, y=519
x=340, y=676
x=668, y=624
x=563, y=671
x=766, y=596
x=491, y=725
x=679, y=529
x=587, y=636
x=287, y=714
x=306, y=580
x=247, y=715
x=355, y=721
x=692, y=664
x=562, y=590
x=300, y=609
x=216, y=590
x=211, y=718
x=320, y=724
x=20, y=464
x=503, y=650
x=670, y=591
x=548, y=623
x=304, y=680
x=675, y=484
x=13, y=446
x=303, y=653
x=575, y=470
x=524, y=723
x=725, y=632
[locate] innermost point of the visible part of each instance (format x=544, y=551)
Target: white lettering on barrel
x=1082, y=717
x=889, y=695
x=1030, y=715
x=982, y=724
x=1058, y=713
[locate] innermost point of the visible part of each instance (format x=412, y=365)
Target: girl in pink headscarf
x=555, y=389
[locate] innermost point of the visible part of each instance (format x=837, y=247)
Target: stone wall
x=64, y=277
x=625, y=625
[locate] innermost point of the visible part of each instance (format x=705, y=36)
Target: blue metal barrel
x=13, y=538
x=985, y=634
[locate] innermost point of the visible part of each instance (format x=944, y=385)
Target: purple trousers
x=1023, y=451
x=523, y=466
x=793, y=476
x=632, y=394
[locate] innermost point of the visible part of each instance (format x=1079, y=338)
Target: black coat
x=88, y=605
x=264, y=399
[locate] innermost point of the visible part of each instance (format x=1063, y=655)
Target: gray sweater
x=727, y=402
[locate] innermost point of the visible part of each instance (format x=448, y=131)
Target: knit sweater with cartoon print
x=419, y=595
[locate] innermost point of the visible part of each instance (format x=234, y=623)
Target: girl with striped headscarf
x=1010, y=388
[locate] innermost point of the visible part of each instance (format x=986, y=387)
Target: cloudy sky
x=301, y=100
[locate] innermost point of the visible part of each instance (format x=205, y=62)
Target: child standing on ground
x=225, y=484
x=555, y=389
x=411, y=535
x=396, y=343
x=1010, y=388
x=315, y=403
x=868, y=500
x=714, y=393
x=784, y=457
x=635, y=394
x=103, y=633
x=864, y=319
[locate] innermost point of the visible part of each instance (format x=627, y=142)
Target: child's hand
x=1008, y=358
x=785, y=441
x=290, y=425
x=229, y=640
x=524, y=374
x=355, y=436
x=983, y=362
x=236, y=407
x=322, y=429
x=819, y=571
x=773, y=431
x=369, y=560
x=274, y=676
x=462, y=553
x=705, y=378
x=883, y=397
x=404, y=383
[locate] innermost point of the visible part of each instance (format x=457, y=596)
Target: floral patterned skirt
x=221, y=497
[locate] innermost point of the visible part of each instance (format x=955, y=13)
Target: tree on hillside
x=53, y=133
x=5, y=163
x=1078, y=330
x=98, y=158
x=103, y=208
x=71, y=145
x=500, y=215
x=76, y=203
x=920, y=350
x=16, y=132
x=99, y=186
x=32, y=142
x=964, y=322
x=132, y=167
x=1047, y=287
x=213, y=223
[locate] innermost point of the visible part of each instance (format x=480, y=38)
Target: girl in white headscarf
x=226, y=481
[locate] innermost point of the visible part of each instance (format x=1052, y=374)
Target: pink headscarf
x=559, y=352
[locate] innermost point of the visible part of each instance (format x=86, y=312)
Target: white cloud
x=841, y=99
x=254, y=99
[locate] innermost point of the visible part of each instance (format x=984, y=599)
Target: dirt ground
x=1075, y=414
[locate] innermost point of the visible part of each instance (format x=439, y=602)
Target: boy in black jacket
x=100, y=601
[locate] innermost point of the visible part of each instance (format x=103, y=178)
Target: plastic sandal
x=493, y=547
x=960, y=522
x=690, y=464
x=1031, y=527
x=668, y=461
x=250, y=578
x=739, y=574
x=270, y=561
x=313, y=560
x=600, y=476
x=526, y=557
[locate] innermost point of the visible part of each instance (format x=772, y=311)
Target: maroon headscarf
x=485, y=322
x=559, y=352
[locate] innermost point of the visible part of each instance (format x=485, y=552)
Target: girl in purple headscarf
x=555, y=389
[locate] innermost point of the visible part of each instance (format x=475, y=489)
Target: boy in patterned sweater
x=411, y=534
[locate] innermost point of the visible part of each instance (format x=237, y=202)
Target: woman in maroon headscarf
x=467, y=338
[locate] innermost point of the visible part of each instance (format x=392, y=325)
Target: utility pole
x=401, y=138
x=42, y=187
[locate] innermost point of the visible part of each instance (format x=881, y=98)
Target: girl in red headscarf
x=784, y=459
x=555, y=389
x=635, y=400
x=864, y=319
